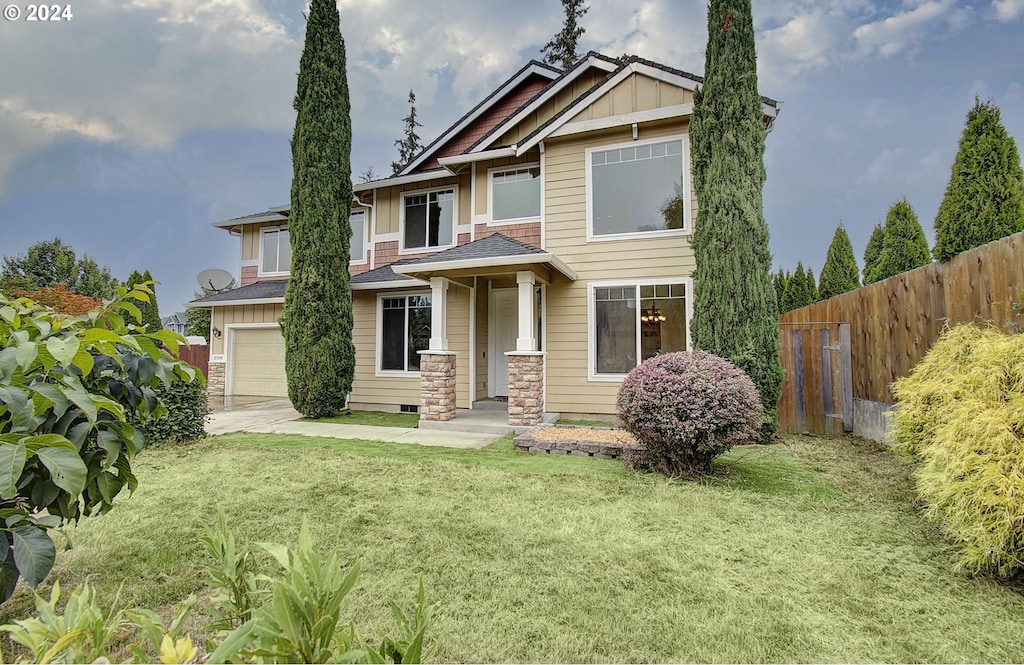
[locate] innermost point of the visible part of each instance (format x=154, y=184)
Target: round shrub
x=686, y=409
x=185, y=419
x=961, y=422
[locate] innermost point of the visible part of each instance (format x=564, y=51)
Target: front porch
x=487, y=416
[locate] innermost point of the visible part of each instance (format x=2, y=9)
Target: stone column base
x=525, y=388
x=437, y=385
x=215, y=380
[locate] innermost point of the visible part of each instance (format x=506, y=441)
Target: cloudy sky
x=130, y=128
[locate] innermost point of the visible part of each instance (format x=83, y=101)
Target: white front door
x=503, y=330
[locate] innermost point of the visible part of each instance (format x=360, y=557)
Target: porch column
x=438, y=314
x=437, y=385
x=527, y=317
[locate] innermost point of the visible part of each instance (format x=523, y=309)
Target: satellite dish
x=215, y=279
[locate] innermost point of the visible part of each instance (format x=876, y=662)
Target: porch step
x=483, y=421
x=491, y=405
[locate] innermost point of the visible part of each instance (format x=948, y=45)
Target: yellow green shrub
x=961, y=420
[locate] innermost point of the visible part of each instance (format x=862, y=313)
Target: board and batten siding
x=225, y=316
x=548, y=109
x=565, y=208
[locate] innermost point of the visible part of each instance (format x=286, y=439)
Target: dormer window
x=276, y=252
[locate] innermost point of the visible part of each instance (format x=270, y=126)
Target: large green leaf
x=110, y=441
x=109, y=485
x=54, y=394
x=81, y=398
x=84, y=361
x=12, y=463
x=35, y=443
x=63, y=350
x=67, y=469
x=34, y=553
x=8, y=574
x=26, y=354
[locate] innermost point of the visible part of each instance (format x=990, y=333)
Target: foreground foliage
x=960, y=421
x=292, y=615
x=736, y=315
x=69, y=387
x=687, y=409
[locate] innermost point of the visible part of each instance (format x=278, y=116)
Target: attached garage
x=256, y=362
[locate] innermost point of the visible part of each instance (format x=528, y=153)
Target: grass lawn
x=809, y=551
x=377, y=418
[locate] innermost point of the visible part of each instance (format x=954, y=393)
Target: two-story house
x=537, y=250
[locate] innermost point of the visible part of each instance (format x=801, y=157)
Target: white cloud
x=903, y=31
x=1008, y=10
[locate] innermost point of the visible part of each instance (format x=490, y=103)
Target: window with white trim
x=404, y=332
x=515, y=194
x=636, y=321
x=275, y=252
x=357, y=246
x=429, y=219
x=637, y=188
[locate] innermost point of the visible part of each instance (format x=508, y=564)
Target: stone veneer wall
x=525, y=388
x=215, y=381
x=437, y=385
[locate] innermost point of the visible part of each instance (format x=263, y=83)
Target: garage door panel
x=258, y=362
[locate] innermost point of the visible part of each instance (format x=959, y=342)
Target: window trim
x=402, y=249
x=366, y=244
x=490, y=193
x=263, y=231
x=687, y=227
x=379, y=325
x=592, y=374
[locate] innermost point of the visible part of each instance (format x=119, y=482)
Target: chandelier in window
x=652, y=315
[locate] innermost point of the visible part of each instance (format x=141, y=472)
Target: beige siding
x=389, y=201
x=225, y=316
x=562, y=99
x=251, y=239
x=368, y=388
x=568, y=388
x=633, y=94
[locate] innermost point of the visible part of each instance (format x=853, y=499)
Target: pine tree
x=800, y=291
x=409, y=145
x=985, y=197
x=839, y=274
x=872, y=253
x=317, y=321
x=561, y=50
x=150, y=310
x=736, y=315
x=811, y=287
x=780, y=280
x=904, y=247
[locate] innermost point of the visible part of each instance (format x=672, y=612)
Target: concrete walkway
x=278, y=417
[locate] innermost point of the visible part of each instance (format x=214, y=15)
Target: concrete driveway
x=276, y=416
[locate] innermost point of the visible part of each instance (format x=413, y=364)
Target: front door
x=503, y=330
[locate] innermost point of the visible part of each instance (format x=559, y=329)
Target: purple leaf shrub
x=687, y=409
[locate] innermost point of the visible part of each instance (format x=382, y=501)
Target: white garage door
x=258, y=362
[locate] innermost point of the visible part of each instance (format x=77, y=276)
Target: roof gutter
x=476, y=157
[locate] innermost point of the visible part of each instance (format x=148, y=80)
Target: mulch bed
x=580, y=441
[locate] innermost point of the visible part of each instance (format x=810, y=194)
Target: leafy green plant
x=231, y=571
x=960, y=420
x=170, y=642
x=69, y=387
x=185, y=418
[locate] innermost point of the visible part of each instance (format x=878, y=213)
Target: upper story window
x=275, y=252
x=515, y=194
x=357, y=246
x=428, y=219
x=636, y=189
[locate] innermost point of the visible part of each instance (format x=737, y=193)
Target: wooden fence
x=817, y=389
x=197, y=355
x=894, y=322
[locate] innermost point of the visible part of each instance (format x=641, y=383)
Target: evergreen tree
x=839, y=274
x=51, y=262
x=197, y=321
x=780, y=280
x=872, y=253
x=985, y=197
x=800, y=291
x=736, y=314
x=811, y=287
x=561, y=50
x=149, y=310
x=904, y=247
x=317, y=322
x=409, y=145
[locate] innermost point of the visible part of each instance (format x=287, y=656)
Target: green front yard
x=806, y=551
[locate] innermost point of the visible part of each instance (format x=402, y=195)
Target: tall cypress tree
x=872, y=253
x=317, y=322
x=985, y=197
x=839, y=274
x=904, y=246
x=736, y=315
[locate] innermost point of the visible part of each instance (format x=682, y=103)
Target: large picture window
x=405, y=331
x=276, y=252
x=429, y=219
x=357, y=247
x=634, y=322
x=515, y=194
x=638, y=188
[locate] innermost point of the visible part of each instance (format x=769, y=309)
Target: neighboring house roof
x=495, y=250
x=533, y=67
x=176, y=319
x=271, y=291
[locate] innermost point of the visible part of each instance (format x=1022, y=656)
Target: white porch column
x=526, y=281
x=438, y=313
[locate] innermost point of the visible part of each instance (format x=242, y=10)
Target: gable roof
x=531, y=68
x=492, y=251
x=382, y=278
